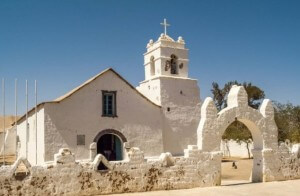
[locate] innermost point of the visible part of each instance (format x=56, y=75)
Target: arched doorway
x=257, y=165
x=237, y=160
x=110, y=146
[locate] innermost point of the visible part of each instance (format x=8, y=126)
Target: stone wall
x=281, y=164
x=65, y=176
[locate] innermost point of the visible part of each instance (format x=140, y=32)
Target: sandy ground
x=242, y=173
x=289, y=188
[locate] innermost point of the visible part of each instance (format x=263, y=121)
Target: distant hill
x=8, y=121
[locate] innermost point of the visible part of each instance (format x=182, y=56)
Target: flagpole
x=26, y=119
x=3, y=102
x=16, y=114
x=35, y=92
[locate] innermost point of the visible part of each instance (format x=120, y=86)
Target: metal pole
x=26, y=119
x=3, y=133
x=35, y=92
x=16, y=114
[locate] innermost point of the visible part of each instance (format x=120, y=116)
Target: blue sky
x=62, y=43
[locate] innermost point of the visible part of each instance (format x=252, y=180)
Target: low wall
x=196, y=168
x=65, y=176
x=281, y=164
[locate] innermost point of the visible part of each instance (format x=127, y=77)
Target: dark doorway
x=110, y=146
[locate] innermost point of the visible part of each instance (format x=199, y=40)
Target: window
x=109, y=103
x=174, y=69
x=152, y=66
x=28, y=132
x=80, y=140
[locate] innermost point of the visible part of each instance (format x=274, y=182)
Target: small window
x=80, y=140
x=28, y=131
x=109, y=107
x=152, y=66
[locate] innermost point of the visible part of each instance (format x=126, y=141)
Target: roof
x=61, y=98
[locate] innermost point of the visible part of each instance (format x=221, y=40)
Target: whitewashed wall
x=178, y=94
x=181, y=104
x=33, y=151
x=139, y=120
x=65, y=177
x=196, y=168
x=232, y=148
x=182, y=97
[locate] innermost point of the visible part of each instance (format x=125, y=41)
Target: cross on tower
x=165, y=24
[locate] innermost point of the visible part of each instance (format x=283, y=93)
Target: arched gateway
x=260, y=122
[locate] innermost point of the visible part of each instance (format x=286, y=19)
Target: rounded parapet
x=267, y=109
x=237, y=97
x=64, y=156
x=208, y=109
x=167, y=159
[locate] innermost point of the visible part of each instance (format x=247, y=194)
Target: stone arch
x=260, y=122
x=110, y=131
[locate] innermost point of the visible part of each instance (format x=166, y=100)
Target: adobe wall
x=180, y=105
x=31, y=137
x=199, y=167
x=64, y=176
x=270, y=161
x=196, y=168
x=281, y=164
x=81, y=114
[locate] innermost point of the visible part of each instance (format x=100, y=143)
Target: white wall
x=182, y=97
x=139, y=120
x=31, y=138
x=232, y=148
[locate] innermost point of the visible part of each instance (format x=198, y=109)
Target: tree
x=255, y=94
x=287, y=118
x=237, y=131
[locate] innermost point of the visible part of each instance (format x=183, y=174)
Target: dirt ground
x=242, y=173
x=290, y=188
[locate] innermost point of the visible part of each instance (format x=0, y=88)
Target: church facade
x=160, y=115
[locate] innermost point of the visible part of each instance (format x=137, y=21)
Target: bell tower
x=167, y=84
x=166, y=57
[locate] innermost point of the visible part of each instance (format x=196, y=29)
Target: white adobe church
x=109, y=114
